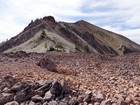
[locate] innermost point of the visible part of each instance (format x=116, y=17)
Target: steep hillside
x=46, y=34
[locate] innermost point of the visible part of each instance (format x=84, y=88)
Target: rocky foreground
x=14, y=92
x=69, y=79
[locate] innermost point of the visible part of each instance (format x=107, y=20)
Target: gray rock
x=45, y=87
x=81, y=98
x=38, y=103
x=45, y=103
x=31, y=103
x=12, y=103
x=35, y=86
x=66, y=99
x=38, y=92
x=114, y=100
x=99, y=97
x=48, y=96
x=53, y=103
x=37, y=98
x=119, y=96
x=106, y=102
x=129, y=100
x=121, y=102
x=65, y=88
x=6, y=97
x=90, y=104
x=56, y=88
x=63, y=103
x=9, y=79
x=42, y=82
x=25, y=103
x=120, y=99
x=73, y=101
x=6, y=90
x=23, y=95
x=16, y=87
x=96, y=103
x=114, y=103
x=87, y=97
x=20, y=86
x=5, y=85
x=20, y=97
x=85, y=103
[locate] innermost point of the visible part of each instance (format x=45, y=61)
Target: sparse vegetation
x=77, y=48
x=51, y=49
x=59, y=46
x=86, y=48
x=46, y=45
x=43, y=35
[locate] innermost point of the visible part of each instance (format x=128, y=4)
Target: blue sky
x=120, y=16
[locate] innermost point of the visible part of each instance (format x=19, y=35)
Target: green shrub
x=77, y=48
x=51, y=49
x=86, y=48
x=46, y=45
x=43, y=35
x=59, y=46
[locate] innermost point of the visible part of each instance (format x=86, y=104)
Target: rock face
x=28, y=95
x=46, y=34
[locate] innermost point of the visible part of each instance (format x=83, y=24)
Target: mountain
x=46, y=34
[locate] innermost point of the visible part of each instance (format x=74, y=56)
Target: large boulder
x=48, y=64
x=23, y=95
x=56, y=88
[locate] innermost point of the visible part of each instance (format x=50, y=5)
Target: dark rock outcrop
x=48, y=64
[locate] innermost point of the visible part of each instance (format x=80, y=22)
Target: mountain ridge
x=80, y=36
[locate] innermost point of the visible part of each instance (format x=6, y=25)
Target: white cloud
x=115, y=14
x=130, y=10
x=17, y=14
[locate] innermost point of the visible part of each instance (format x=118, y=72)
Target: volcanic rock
x=12, y=103
x=56, y=88
x=37, y=98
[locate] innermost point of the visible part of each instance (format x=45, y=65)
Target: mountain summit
x=46, y=34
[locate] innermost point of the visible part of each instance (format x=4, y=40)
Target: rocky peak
x=49, y=18
x=82, y=35
x=81, y=22
x=32, y=24
x=39, y=21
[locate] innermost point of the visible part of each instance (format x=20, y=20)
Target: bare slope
x=46, y=34
x=41, y=44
